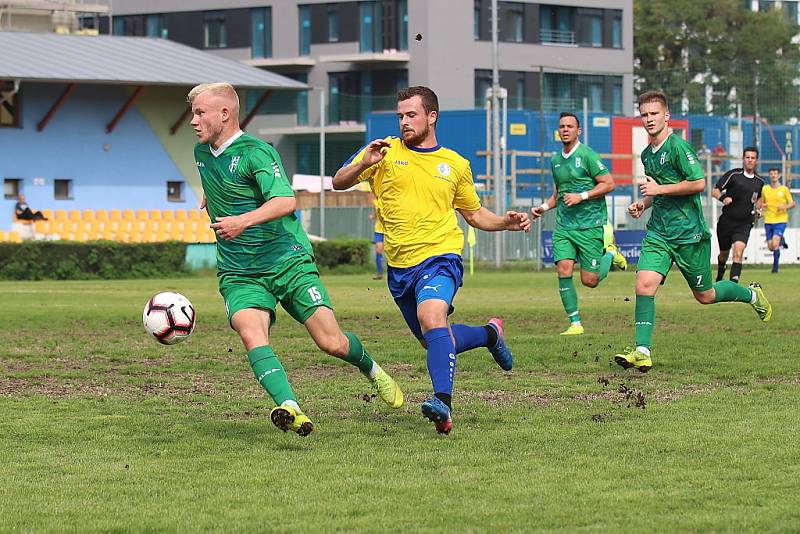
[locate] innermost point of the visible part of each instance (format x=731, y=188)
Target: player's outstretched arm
x=483, y=219
x=274, y=208
x=347, y=177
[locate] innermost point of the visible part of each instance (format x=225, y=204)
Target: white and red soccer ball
x=168, y=317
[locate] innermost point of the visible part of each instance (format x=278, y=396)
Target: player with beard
x=582, y=182
x=419, y=186
x=739, y=190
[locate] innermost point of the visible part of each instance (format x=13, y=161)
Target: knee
x=706, y=297
x=590, y=281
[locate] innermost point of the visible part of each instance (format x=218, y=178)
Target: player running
x=420, y=185
x=777, y=203
x=676, y=232
x=582, y=182
x=263, y=254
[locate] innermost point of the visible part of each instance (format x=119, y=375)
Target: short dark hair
x=749, y=149
x=653, y=96
x=569, y=114
x=776, y=169
x=430, y=102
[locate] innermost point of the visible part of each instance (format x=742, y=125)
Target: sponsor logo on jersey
x=578, y=161
x=200, y=164
x=400, y=162
x=444, y=169
x=663, y=158
x=234, y=163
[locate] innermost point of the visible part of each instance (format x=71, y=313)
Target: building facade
x=357, y=54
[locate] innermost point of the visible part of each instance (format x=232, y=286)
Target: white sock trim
x=643, y=350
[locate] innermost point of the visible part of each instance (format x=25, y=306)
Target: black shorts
x=729, y=232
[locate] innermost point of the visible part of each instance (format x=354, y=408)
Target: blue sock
x=469, y=337
x=441, y=359
x=776, y=257
x=379, y=263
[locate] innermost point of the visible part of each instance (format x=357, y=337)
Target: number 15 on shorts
x=314, y=293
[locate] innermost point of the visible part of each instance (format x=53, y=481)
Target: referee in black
x=739, y=190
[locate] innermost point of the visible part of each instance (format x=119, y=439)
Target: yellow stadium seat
x=61, y=215
x=88, y=215
x=48, y=214
x=2, y=236
x=155, y=215
x=115, y=215
x=42, y=227
x=180, y=215
x=168, y=215
x=74, y=215
x=14, y=237
x=195, y=215
x=128, y=215
x=101, y=215
x=141, y=214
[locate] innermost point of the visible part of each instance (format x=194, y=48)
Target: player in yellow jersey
x=420, y=185
x=777, y=202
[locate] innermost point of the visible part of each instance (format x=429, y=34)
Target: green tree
x=688, y=47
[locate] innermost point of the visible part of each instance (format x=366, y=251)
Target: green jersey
x=245, y=175
x=675, y=219
x=576, y=173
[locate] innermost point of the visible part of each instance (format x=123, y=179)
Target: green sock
x=727, y=291
x=645, y=318
x=569, y=298
x=270, y=374
x=357, y=355
x=605, y=265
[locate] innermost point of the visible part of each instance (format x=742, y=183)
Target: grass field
x=101, y=429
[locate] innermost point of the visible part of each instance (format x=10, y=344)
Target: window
x=616, y=98
x=261, y=19
x=509, y=18
x=62, y=189
x=590, y=27
x=370, y=29
x=476, y=20
x=175, y=191
x=12, y=188
x=304, y=13
x=556, y=24
x=214, y=29
x=512, y=81
x=131, y=25
x=402, y=21
x=567, y=91
x=9, y=105
x=333, y=23
x=616, y=31
x=157, y=26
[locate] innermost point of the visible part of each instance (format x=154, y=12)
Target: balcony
x=387, y=56
x=557, y=37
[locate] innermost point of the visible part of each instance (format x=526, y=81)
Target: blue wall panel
x=127, y=168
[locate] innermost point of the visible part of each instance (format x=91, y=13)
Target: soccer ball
x=168, y=317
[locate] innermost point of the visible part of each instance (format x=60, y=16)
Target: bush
x=353, y=252
x=69, y=260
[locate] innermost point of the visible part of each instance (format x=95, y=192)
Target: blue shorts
x=775, y=229
x=378, y=238
x=438, y=277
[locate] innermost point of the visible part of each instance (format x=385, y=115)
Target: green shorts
x=295, y=283
x=693, y=260
x=584, y=245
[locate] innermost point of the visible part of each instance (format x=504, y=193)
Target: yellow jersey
x=418, y=191
x=773, y=197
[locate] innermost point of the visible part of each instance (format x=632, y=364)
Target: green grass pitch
x=102, y=429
